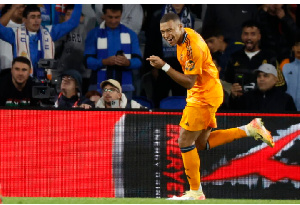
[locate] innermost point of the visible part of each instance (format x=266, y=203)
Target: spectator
x=220, y=48
x=16, y=87
x=35, y=42
x=278, y=29
x=132, y=16
x=12, y=18
x=229, y=18
x=243, y=62
x=156, y=45
x=291, y=72
x=93, y=95
x=112, y=51
x=69, y=50
x=71, y=95
x=112, y=96
x=266, y=98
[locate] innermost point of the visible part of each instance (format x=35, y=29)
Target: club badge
x=189, y=65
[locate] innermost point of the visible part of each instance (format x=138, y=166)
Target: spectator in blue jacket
x=291, y=72
x=35, y=42
x=112, y=51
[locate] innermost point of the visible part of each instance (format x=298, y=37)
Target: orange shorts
x=199, y=118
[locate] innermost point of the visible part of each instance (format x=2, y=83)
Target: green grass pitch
x=71, y=200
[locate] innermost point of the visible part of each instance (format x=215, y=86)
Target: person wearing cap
x=266, y=97
x=112, y=96
x=71, y=93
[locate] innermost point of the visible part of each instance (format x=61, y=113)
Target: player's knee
x=184, y=141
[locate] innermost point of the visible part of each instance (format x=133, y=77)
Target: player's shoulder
x=195, y=42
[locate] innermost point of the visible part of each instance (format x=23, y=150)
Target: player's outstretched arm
x=187, y=81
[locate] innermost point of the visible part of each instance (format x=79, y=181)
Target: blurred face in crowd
x=68, y=86
x=273, y=8
x=110, y=93
x=20, y=73
x=95, y=98
x=266, y=81
x=33, y=21
x=18, y=14
x=178, y=7
x=214, y=43
x=112, y=18
x=296, y=49
x=68, y=14
x=251, y=37
x=172, y=32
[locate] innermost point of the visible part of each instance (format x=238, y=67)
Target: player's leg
x=254, y=129
x=191, y=162
x=194, y=124
x=190, y=156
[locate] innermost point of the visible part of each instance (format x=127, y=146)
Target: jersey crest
x=189, y=65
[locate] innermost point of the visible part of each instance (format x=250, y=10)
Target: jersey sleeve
x=193, y=63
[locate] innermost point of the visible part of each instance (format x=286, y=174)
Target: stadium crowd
x=100, y=52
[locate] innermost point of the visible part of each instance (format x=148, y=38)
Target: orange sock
x=220, y=137
x=191, y=163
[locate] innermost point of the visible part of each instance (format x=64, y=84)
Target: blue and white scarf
x=45, y=44
x=187, y=21
x=102, y=52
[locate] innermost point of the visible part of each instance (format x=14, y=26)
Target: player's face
x=251, y=37
x=33, y=21
x=296, y=50
x=171, y=32
x=111, y=93
x=20, y=73
x=112, y=18
x=214, y=44
x=266, y=81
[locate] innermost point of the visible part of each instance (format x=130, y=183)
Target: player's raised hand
x=156, y=61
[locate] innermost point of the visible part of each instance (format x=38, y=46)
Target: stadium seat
x=173, y=102
x=143, y=101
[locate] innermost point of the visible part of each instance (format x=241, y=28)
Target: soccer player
x=204, y=96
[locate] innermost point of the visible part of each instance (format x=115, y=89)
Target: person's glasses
x=110, y=90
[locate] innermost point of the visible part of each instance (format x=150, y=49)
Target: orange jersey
x=195, y=59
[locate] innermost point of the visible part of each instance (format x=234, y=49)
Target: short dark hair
x=169, y=16
x=211, y=32
x=21, y=59
x=30, y=8
x=114, y=7
x=251, y=23
x=92, y=93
